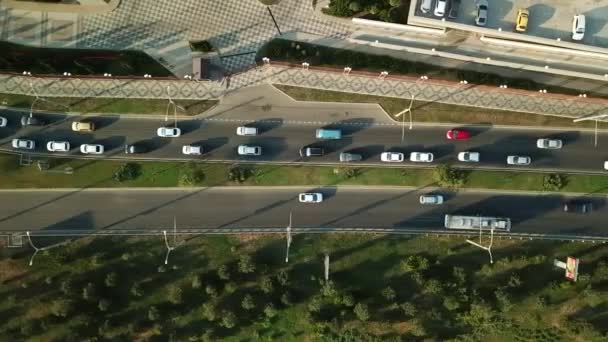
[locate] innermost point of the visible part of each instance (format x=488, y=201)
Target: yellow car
x=83, y=126
x=521, y=23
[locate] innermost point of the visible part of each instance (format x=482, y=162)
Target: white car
x=468, y=157
x=58, y=146
x=246, y=150
x=519, y=160
x=552, y=144
x=440, y=8
x=606, y=165
x=246, y=131
x=23, y=144
x=192, y=150
x=578, y=27
x=169, y=132
x=311, y=197
x=3, y=121
x=431, y=199
x=421, y=157
x=91, y=148
x=392, y=157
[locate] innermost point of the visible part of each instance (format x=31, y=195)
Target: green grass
x=433, y=111
x=361, y=267
x=105, y=105
x=91, y=173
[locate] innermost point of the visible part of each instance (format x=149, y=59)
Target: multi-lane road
x=233, y=208
x=281, y=141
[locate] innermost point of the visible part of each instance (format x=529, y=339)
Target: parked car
x=3, y=121
x=392, y=157
x=58, y=146
x=311, y=197
x=27, y=120
x=246, y=131
x=135, y=148
x=578, y=27
x=310, y=151
x=83, y=126
x=169, y=132
x=91, y=149
x=349, y=157
x=457, y=134
x=23, y=144
x=431, y=199
x=421, y=157
x=577, y=206
x=468, y=157
x=606, y=165
x=440, y=6
x=552, y=144
x=482, y=12
x=521, y=23
x=453, y=7
x=330, y=134
x=425, y=6
x=192, y=150
x=246, y=150
x=519, y=160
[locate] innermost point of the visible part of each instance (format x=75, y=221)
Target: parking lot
x=550, y=19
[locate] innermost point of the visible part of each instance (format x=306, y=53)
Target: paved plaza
x=163, y=28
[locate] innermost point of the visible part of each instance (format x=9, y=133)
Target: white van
x=425, y=5
x=440, y=8
x=578, y=27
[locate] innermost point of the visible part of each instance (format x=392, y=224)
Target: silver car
x=468, y=157
x=246, y=131
x=58, y=146
x=431, y=199
x=551, y=144
x=482, y=12
x=519, y=160
x=246, y=150
x=168, y=132
x=310, y=197
x=24, y=144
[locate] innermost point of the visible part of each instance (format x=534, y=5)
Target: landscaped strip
x=101, y=173
x=433, y=111
x=105, y=105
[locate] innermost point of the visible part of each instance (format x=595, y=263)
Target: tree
x=228, y=319
x=450, y=303
x=408, y=309
x=247, y=302
x=355, y=7
x=286, y=299
x=270, y=311
x=388, y=293
x=208, y=311
x=66, y=286
x=196, y=281
x=283, y=277
x=211, y=291
x=554, y=182
x=174, y=294
x=153, y=313
x=223, y=272
x=238, y=174
x=361, y=312
x=394, y=3
x=126, y=172
x=136, y=290
x=230, y=287
x=245, y=264
x=266, y=284
x=88, y=292
x=348, y=300
x=103, y=305
x=445, y=175
x=61, y=307
x=111, y=279
x=190, y=174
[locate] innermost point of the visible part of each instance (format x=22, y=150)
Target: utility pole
x=288, y=230
x=592, y=117
x=326, y=267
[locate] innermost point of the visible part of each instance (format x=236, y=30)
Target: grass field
x=381, y=288
x=91, y=173
x=434, y=112
x=105, y=105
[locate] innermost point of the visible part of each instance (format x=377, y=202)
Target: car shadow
x=266, y=125
x=211, y=144
x=188, y=126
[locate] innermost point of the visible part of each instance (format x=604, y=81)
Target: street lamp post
x=174, y=106
x=170, y=248
x=489, y=248
x=592, y=117
x=37, y=250
x=288, y=231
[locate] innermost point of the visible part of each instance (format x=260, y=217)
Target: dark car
x=135, y=148
x=453, y=6
x=578, y=207
x=310, y=151
x=27, y=120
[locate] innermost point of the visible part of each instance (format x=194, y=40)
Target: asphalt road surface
x=238, y=207
x=281, y=141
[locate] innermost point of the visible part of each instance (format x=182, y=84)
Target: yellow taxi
x=521, y=24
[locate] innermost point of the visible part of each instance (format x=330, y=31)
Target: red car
x=457, y=134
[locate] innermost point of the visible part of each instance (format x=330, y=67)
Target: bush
x=554, y=182
x=126, y=172
x=361, y=311
x=190, y=174
x=245, y=264
x=238, y=174
x=201, y=46
x=445, y=175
